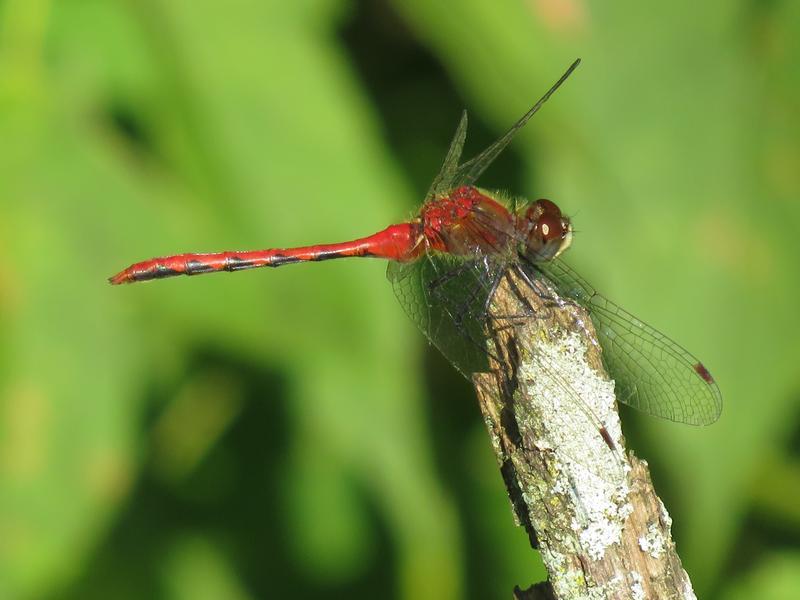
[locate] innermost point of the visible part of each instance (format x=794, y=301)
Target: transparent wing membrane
x=468, y=173
x=448, y=298
x=452, y=175
x=443, y=180
x=653, y=373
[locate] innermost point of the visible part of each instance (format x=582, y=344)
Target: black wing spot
x=701, y=370
x=607, y=438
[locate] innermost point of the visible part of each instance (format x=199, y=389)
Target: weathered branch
x=549, y=406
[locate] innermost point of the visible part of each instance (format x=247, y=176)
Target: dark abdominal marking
x=327, y=254
x=195, y=267
x=281, y=259
x=236, y=263
x=157, y=273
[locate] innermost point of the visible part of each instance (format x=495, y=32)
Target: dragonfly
x=446, y=263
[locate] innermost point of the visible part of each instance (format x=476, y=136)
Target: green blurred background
x=288, y=433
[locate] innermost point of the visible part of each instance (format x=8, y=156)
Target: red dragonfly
x=446, y=263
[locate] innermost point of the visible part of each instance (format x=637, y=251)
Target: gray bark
x=587, y=504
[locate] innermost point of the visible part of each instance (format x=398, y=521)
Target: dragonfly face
x=547, y=231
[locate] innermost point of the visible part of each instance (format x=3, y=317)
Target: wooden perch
x=587, y=504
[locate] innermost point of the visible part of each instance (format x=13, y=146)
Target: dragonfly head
x=548, y=232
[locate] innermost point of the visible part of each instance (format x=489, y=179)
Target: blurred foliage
x=287, y=433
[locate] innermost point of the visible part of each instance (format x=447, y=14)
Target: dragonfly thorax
x=468, y=222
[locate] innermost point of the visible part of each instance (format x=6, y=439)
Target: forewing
x=468, y=173
x=446, y=297
x=652, y=373
x=443, y=180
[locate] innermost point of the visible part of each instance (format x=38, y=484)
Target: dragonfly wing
x=468, y=173
x=446, y=296
x=652, y=373
x=443, y=180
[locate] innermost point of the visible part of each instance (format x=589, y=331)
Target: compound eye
x=548, y=207
x=540, y=209
x=550, y=227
